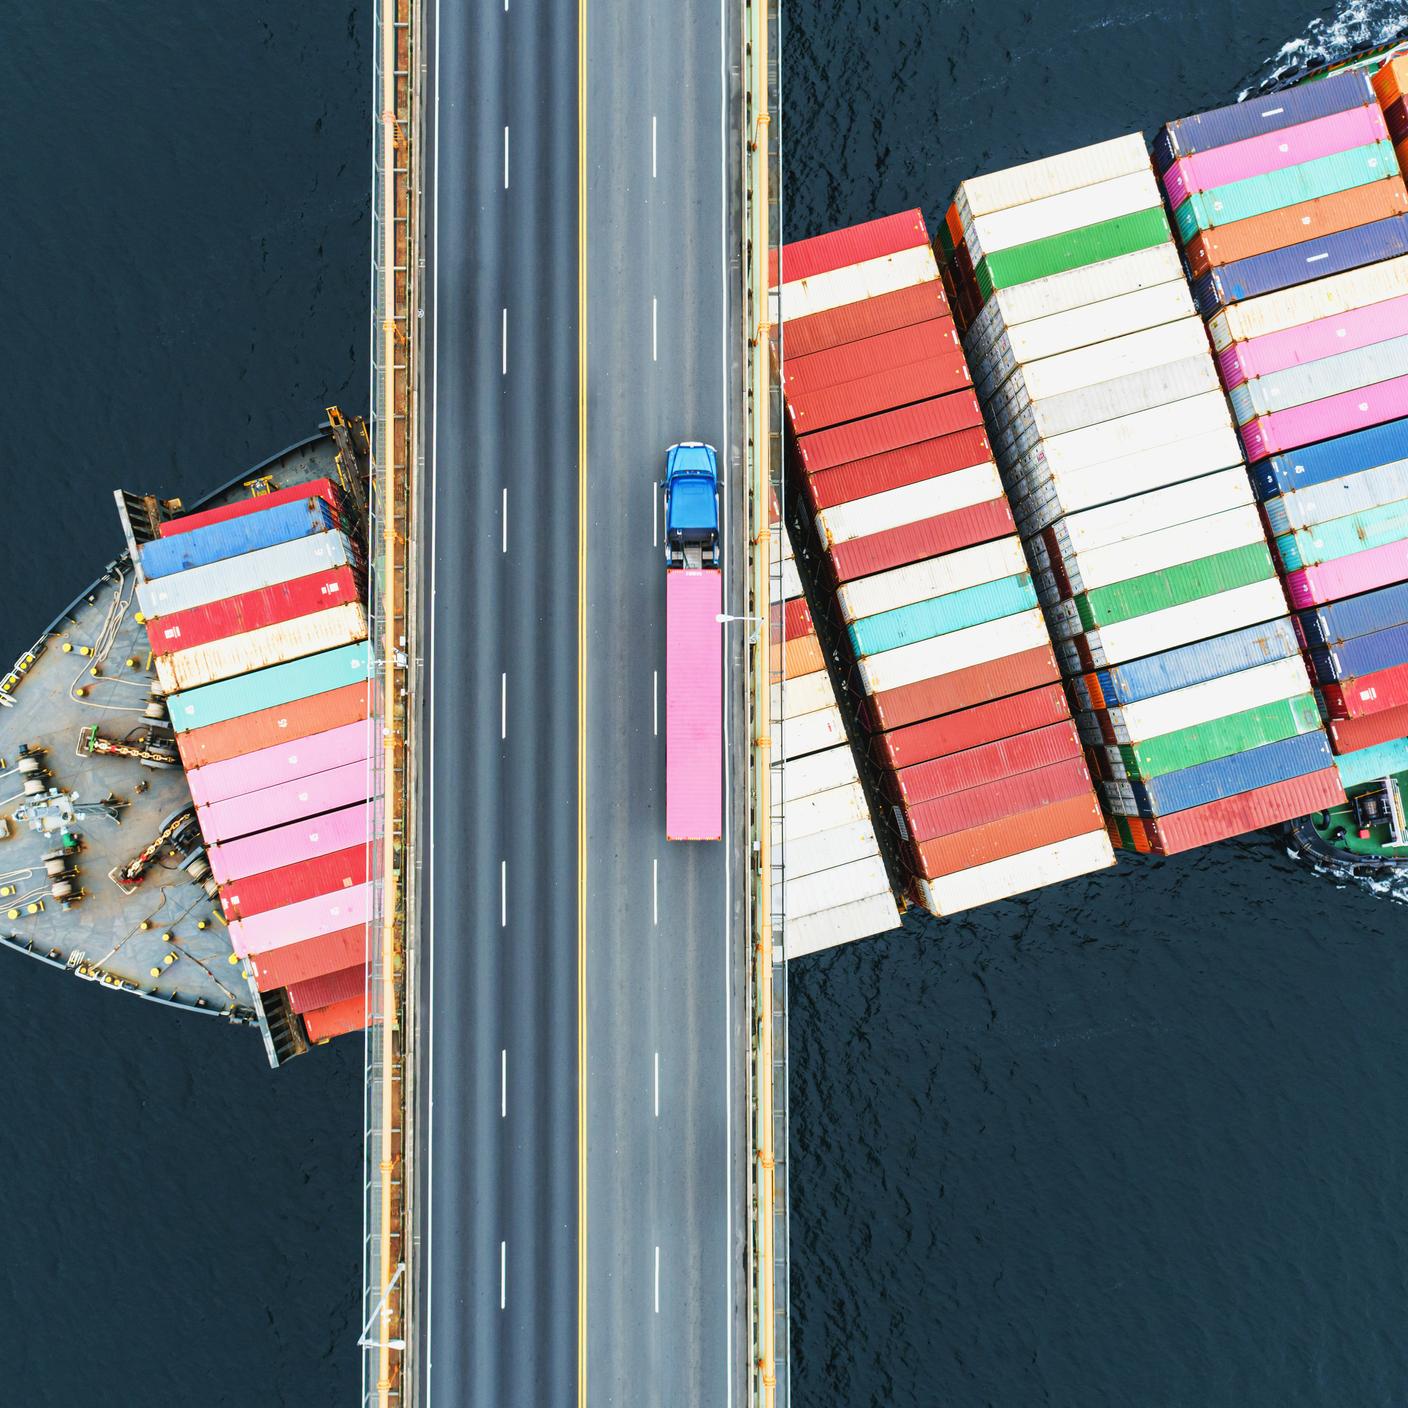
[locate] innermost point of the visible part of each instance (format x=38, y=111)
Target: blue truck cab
x=691, y=505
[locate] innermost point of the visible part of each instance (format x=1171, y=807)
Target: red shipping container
x=871, y=393
x=884, y=352
x=303, y=880
x=213, y=743
x=797, y=619
x=970, y=728
x=1369, y=694
x=928, y=420
x=324, y=1023
x=987, y=763
x=1247, y=811
x=256, y=503
x=296, y=963
x=1008, y=836
x=896, y=468
x=250, y=610
x=914, y=542
x=342, y=986
x=1350, y=735
x=1005, y=797
x=851, y=322
x=961, y=689
x=872, y=239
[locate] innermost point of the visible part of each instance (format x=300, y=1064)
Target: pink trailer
x=288, y=801
x=1325, y=419
x=1274, y=151
x=694, y=744
x=308, y=919
x=1348, y=576
x=286, y=845
x=284, y=762
x=1309, y=342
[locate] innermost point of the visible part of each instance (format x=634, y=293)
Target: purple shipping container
x=1309, y=342
x=284, y=762
x=1273, y=151
x=307, y=919
x=1348, y=576
x=1327, y=418
x=1186, y=136
x=286, y=845
x=288, y=801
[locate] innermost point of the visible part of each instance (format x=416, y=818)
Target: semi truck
x=693, y=645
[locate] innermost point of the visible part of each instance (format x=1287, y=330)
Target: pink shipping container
x=1348, y=576
x=285, y=845
x=1293, y=347
x=694, y=688
x=288, y=801
x=1274, y=151
x=1323, y=420
x=307, y=919
x=285, y=762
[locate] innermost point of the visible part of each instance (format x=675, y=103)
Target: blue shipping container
x=1360, y=655
x=1355, y=616
x=1369, y=764
x=1331, y=459
x=1300, y=263
x=1186, y=136
x=1353, y=494
x=1226, y=777
x=972, y=606
x=1196, y=664
x=1327, y=376
x=265, y=689
x=236, y=536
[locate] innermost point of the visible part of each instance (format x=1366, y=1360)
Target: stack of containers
x=1292, y=212
x=936, y=610
x=1133, y=502
x=836, y=888
x=258, y=635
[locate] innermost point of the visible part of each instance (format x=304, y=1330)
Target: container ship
x=189, y=749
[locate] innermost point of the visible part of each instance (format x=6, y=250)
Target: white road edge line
x=503, y=704
x=503, y=894
x=503, y=1084
x=505, y=156
x=504, y=516
x=503, y=359
x=503, y=1273
x=657, y=1283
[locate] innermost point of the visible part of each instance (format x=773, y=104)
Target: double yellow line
x=581, y=703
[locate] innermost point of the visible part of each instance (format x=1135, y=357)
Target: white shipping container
x=791, y=584
x=1321, y=298
x=850, y=841
x=1035, y=180
x=810, y=894
x=809, y=815
x=818, y=773
x=1059, y=214
x=1073, y=290
x=1213, y=699
x=1191, y=621
x=1014, y=875
x=1163, y=548
x=860, y=518
x=260, y=648
x=935, y=577
x=811, y=733
x=801, y=694
x=860, y=919
x=1179, y=503
x=927, y=659
x=837, y=287
x=249, y=572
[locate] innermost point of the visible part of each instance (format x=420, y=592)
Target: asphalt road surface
x=502, y=1235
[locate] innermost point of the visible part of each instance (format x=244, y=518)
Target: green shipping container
x=1155, y=591
x=1073, y=249
x=1338, y=537
x=1274, y=190
x=1220, y=738
x=266, y=689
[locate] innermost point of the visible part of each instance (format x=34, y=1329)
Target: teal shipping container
x=972, y=606
x=266, y=689
x=1369, y=764
x=1355, y=532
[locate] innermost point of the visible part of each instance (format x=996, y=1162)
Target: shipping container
x=837, y=288
x=280, y=684
x=323, y=489
x=285, y=802
x=886, y=351
x=930, y=697
x=1001, y=797
x=824, y=811
x=1331, y=459
x=971, y=728
x=986, y=764
x=299, y=841
x=819, y=773
x=930, y=658
x=928, y=537
x=1370, y=764
x=1388, y=82
x=269, y=728
x=853, y=322
x=845, y=844
x=1014, y=875
x=800, y=695
x=1294, y=386
x=1341, y=537
x=1050, y=176
x=1350, y=735
x=1205, y=497
x=941, y=616
x=1356, y=493
x=898, y=508
x=938, y=576
x=1247, y=811
x=1368, y=694
x=1347, y=576
x=303, y=880
x=810, y=733
x=858, y=919
x=1364, y=655
x=347, y=984
x=287, y=601
x=283, y=762
x=1332, y=416
x=292, y=923
x=342, y=1017
x=1358, y=616
x=1010, y=835
x=837, y=249
x=909, y=425
x=897, y=468
x=841, y=884
x=297, y=963
x=234, y=537
x=940, y=373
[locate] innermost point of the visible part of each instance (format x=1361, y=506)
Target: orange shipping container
x=802, y=656
x=1008, y=836
x=265, y=727
x=349, y=1015
x=1391, y=81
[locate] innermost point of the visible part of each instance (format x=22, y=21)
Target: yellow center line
x=581, y=703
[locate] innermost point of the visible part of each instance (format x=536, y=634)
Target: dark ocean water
x=1140, y=1140
x=183, y=254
